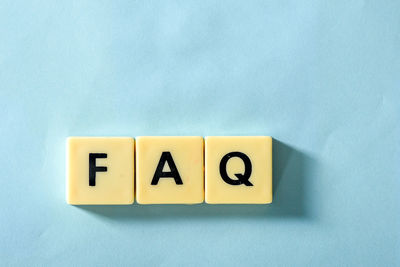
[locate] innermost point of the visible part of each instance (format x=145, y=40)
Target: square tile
x=238, y=170
x=169, y=170
x=100, y=170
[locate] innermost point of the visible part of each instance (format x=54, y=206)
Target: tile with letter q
x=100, y=170
x=169, y=170
x=238, y=170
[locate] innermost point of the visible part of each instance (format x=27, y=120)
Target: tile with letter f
x=100, y=170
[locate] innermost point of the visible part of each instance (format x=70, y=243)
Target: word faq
x=169, y=170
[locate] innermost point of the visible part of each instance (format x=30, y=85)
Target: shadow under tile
x=292, y=177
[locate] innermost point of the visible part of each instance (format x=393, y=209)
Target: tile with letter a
x=169, y=170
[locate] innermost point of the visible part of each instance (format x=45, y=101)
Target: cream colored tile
x=238, y=170
x=169, y=170
x=100, y=170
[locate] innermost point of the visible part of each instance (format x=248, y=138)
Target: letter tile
x=169, y=170
x=238, y=170
x=100, y=170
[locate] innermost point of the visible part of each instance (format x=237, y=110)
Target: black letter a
x=166, y=158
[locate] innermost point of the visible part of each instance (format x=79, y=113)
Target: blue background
x=321, y=77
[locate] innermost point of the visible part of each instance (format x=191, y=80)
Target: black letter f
x=93, y=168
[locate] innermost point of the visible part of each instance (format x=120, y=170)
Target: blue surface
x=322, y=78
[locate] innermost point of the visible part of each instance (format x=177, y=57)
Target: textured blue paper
x=321, y=77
